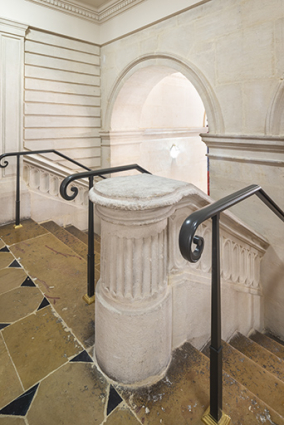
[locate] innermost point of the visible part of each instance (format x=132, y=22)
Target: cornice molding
x=13, y=28
x=264, y=150
x=98, y=16
x=242, y=142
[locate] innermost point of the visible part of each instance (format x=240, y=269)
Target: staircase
x=49, y=376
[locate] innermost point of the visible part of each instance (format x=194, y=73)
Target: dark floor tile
x=5, y=249
x=122, y=415
x=20, y=406
x=83, y=357
x=114, y=400
x=43, y=304
x=15, y=263
x=28, y=282
x=4, y=325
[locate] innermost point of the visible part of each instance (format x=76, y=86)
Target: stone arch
x=168, y=64
x=274, y=124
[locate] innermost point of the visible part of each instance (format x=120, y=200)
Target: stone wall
x=232, y=52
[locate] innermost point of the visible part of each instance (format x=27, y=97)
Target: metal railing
x=18, y=155
x=90, y=296
x=187, y=238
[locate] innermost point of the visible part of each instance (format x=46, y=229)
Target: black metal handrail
x=18, y=154
x=89, y=297
x=187, y=237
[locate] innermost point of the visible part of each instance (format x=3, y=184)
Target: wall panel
x=62, y=97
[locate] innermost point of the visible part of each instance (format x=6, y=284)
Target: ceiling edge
x=90, y=14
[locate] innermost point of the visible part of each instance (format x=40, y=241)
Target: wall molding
x=258, y=149
x=98, y=16
x=137, y=136
x=12, y=28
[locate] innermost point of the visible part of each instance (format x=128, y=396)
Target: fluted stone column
x=133, y=321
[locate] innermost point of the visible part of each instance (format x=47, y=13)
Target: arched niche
x=164, y=65
x=138, y=130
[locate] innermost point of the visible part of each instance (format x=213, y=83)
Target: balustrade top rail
x=39, y=152
x=190, y=225
x=94, y=173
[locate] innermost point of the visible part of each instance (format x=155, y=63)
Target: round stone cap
x=139, y=192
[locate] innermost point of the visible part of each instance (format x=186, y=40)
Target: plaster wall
x=223, y=42
x=235, y=49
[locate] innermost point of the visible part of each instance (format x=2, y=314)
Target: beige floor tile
x=10, y=386
x=12, y=420
x=75, y=394
x=62, y=275
x=18, y=303
x=38, y=345
x=29, y=230
x=66, y=237
x=6, y=258
x=122, y=416
x=1, y=244
x=11, y=278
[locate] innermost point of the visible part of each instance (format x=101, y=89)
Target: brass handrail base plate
x=209, y=420
x=17, y=226
x=89, y=300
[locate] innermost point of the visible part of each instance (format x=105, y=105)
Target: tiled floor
x=48, y=375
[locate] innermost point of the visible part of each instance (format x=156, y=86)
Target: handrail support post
x=216, y=347
x=18, y=202
x=90, y=296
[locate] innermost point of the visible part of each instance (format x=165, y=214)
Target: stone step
x=275, y=338
x=83, y=236
x=182, y=396
x=72, y=242
x=78, y=233
x=259, y=355
x=256, y=379
x=267, y=342
x=29, y=229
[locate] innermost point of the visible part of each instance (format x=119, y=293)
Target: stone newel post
x=133, y=320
